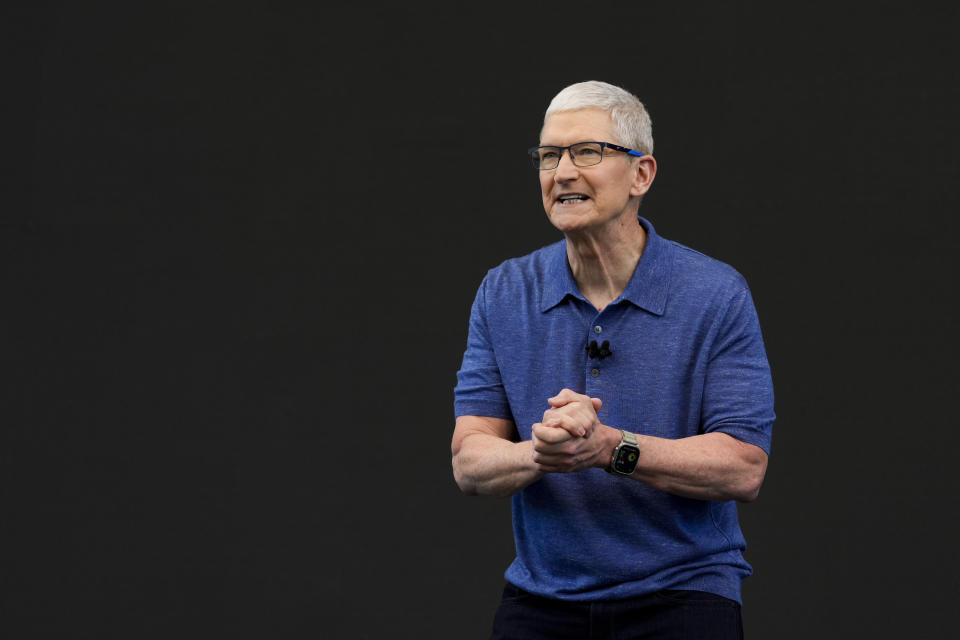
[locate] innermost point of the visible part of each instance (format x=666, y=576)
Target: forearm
x=489, y=465
x=711, y=466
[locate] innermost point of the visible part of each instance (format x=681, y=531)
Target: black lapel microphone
x=593, y=351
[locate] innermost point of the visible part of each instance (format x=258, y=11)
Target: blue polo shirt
x=687, y=358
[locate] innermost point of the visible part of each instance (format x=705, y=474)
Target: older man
x=616, y=386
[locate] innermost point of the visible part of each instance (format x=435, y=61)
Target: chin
x=566, y=221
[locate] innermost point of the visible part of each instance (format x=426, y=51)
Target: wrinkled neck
x=603, y=263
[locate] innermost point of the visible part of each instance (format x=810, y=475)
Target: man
x=616, y=386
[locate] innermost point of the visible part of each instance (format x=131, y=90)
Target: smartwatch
x=625, y=455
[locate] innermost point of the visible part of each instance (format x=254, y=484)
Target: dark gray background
x=240, y=242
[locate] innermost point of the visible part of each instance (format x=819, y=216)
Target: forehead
x=567, y=127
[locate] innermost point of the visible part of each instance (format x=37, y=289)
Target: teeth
x=572, y=199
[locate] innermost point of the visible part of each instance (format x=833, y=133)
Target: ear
x=645, y=170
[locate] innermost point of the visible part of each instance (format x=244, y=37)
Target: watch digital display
x=626, y=460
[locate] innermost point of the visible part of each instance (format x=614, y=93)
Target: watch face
x=626, y=460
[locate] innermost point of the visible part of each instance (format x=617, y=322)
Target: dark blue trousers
x=665, y=615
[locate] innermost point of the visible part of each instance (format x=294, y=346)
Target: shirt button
x=597, y=329
x=594, y=372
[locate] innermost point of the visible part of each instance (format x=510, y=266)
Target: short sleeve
x=479, y=390
x=738, y=390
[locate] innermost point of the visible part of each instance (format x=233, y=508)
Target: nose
x=566, y=170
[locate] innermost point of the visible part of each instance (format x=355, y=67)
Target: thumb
x=561, y=399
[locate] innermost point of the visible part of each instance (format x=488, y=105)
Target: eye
x=588, y=152
x=548, y=154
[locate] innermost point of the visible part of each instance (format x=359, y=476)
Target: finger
x=552, y=468
x=568, y=423
x=551, y=458
x=597, y=403
x=553, y=417
x=555, y=463
x=551, y=434
x=565, y=396
x=574, y=417
x=569, y=446
x=563, y=418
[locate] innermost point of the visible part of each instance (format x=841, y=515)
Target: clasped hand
x=568, y=438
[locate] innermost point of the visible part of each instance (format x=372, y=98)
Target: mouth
x=569, y=199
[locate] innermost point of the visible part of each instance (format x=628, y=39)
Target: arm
x=485, y=459
x=709, y=466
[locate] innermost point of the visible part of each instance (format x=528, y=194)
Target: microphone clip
x=601, y=352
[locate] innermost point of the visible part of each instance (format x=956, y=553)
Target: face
x=584, y=198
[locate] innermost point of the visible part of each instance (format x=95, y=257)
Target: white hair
x=631, y=122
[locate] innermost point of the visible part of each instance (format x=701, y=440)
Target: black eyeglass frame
x=535, y=159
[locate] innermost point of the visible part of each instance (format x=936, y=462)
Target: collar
x=647, y=288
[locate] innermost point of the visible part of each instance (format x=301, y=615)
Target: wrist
x=610, y=437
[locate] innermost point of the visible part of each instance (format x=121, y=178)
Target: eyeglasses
x=583, y=154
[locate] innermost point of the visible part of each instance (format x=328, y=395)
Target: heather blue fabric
x=688, y=358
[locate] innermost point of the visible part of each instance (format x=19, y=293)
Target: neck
x=603, y=262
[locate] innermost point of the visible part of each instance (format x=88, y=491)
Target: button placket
x=595, y=330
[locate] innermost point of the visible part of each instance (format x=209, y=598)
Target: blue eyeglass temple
x=629, y=152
